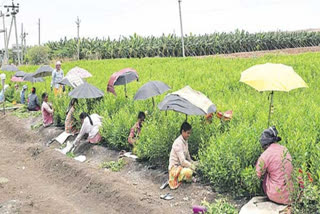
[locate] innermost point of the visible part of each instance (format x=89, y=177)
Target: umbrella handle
x=125, y=88
x=270, y=108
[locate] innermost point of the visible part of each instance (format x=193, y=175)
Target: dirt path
x=262, y=53
x=41, y=180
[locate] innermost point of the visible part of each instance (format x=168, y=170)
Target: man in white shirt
x=57, y=76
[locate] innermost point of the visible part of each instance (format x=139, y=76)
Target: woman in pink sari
x=276, y=167
x=47, y=111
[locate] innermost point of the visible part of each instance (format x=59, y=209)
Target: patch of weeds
x=24, y=113
x=36, y=126
x=21, y=113
x=71, y=155
x=220, y=206
x=115, y=166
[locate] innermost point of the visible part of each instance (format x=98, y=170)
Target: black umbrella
x=43, y=71
x=32, y=79
x=86, y=91
x=20, y=74
x=9, y=68
x=126, y=78
x=151, y=89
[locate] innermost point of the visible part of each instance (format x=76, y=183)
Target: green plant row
x=136, y=46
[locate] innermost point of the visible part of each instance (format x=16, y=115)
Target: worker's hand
x=193, y=167
x=196, y=163
x=132, y=140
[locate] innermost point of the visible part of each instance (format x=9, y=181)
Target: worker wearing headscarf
x=276, y=167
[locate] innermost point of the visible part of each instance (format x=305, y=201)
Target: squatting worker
x=57, y=76
x=136, y=129
x=275, y=165
x=181, y=167
x=33, y=101
x=90, y=125
x=47, y=111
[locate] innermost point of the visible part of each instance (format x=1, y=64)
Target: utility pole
x=23, y=42
x=183, y=54
x=21, y=36
x=14, y=11
x=78, y=29
x=4, y=31
x=39, y=31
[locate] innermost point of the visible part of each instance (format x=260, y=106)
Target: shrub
x=220, y=206
x=115, y=129
x=38, y=55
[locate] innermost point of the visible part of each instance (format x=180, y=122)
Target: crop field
x=136, y=46
x=227, y=151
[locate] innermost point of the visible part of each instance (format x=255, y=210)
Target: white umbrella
x=72, y=81
x=188, y=101
x=77, y=71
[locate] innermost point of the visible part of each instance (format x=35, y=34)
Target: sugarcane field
x=107, y=110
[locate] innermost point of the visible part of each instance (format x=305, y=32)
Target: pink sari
x=96, y=139
x=47, y=117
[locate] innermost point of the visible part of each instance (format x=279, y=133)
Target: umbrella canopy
x=151, y=89
x=80, y=72
x=188, y=101
x=9, y=68
x=72, y=81
x=122, y=77
x=86, y=90
x=272, y=77
x=30, y=78
x=43, y=71
x=20, y=74
x=16, y=79
x=179, y=104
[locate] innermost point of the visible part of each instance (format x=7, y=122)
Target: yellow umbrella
x=272, y=77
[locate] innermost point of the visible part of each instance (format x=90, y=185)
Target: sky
x=114, y=18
